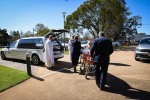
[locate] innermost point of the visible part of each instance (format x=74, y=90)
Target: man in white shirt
x=49, y=55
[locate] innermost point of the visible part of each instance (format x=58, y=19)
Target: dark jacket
x=75, y=53
x=101, y=49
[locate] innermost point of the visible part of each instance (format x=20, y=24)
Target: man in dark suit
x=75, y=53
x=101, y=50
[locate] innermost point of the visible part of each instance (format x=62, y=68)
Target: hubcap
x=35, y=60
x=2, y=55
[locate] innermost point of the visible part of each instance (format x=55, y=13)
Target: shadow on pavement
x=119, y=64
x=119, y=86
x=62, y=66
x=16, y=60
x=38, y=78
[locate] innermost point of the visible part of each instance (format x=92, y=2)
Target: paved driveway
x=127, y=79
x=17, y=64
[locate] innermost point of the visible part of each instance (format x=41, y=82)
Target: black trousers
x=75, y=59
x=101, y=67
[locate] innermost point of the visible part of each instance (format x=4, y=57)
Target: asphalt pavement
x=127, y=79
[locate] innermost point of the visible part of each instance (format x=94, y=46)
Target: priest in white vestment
x=70, y=45
x=49, y=55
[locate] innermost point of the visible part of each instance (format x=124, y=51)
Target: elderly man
x=49, y=56
x=101, y=50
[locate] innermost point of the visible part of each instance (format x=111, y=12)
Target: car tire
x=3, y=57
x=137, y=59
x=35, y=59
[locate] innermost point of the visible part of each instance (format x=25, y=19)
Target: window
x=38, y=43
x=56, y=44
x=12, y=45
x=145, y=41
x=31, y=43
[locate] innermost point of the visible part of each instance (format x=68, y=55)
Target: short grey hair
x=101, y=33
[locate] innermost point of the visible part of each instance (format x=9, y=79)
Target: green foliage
x=43, y=31
x=99, y=15
x=28, y=34
x=16, y=35
x=3, y=37
x=10, y=77
x=131, y=25
x=39, y=27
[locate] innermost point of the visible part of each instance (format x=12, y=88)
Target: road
x=127, y=79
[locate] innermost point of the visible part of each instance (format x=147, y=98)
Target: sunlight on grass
x=10, y=77
x=67, y=52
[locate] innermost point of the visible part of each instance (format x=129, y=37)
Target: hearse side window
x=26, y=43
x=31, y=43
x=38, y=43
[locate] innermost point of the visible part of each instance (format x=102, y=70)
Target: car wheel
x=137, y=59
x=3, y=56
x=35, y=59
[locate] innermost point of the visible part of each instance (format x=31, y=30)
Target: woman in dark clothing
x=75, y=53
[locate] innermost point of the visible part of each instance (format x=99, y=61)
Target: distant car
x=142, y=51
x=35, y=46
x=66, y=44
x=84, y=43
x=116, y=44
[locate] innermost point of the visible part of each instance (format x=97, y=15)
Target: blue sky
x=25, y=14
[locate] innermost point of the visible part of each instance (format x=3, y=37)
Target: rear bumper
x=58, y=56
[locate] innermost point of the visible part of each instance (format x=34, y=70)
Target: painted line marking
x=52, y=72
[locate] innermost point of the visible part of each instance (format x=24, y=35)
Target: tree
x=3, y=37
x=98, y=15
x=39, y=27
x=15, y=35
x=131, y=25
x=87, y=36
x=43, y=31
x=28, y=34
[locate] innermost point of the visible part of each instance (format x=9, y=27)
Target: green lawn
x=1, y=48
x=10, y=77
x=67, y=52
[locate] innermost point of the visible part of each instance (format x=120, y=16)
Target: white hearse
x=34, y=46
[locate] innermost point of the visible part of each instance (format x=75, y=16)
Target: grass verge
x=10, y=77
x=67, y=52
x=1, y=49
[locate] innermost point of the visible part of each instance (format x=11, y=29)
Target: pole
x=64, y=28
x=28, y=64
x=64, y=34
